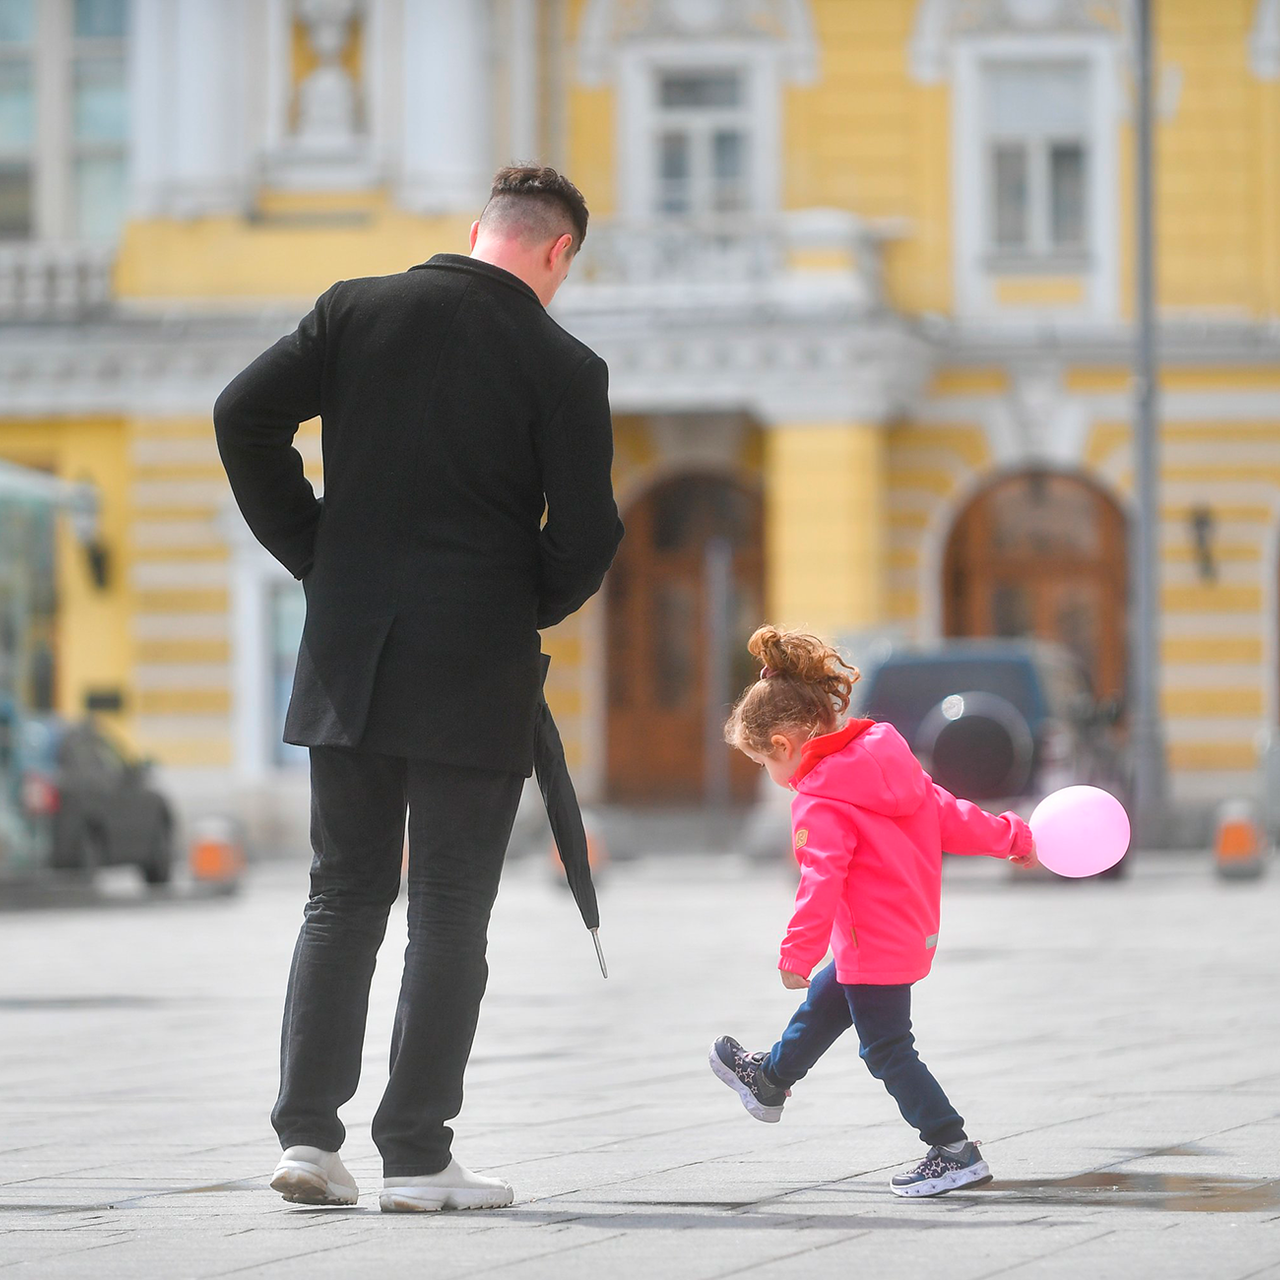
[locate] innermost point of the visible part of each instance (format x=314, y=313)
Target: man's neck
x=510, y=257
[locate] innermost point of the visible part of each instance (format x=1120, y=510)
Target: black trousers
x=459, y=823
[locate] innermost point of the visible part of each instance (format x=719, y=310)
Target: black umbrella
x=565, y=816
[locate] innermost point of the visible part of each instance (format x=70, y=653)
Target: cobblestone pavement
x=1116, y=1045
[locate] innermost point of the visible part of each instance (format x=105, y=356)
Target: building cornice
x=823, y=363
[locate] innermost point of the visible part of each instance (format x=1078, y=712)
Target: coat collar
x=817, y=749
x=475, y=267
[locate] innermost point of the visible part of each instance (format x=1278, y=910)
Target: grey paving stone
x=1115, y=1045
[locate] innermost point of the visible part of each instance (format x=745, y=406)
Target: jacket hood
x=865, y=764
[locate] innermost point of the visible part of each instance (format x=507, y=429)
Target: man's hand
x=793, y=981
x=1027, y=859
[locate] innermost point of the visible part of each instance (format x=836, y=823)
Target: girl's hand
x=793, y=981
x=1027, y=859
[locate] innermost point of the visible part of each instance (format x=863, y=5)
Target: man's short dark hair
x=535, y=204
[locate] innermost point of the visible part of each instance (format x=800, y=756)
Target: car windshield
x=905, y=690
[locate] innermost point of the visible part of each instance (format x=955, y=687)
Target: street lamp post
x=1148, y=735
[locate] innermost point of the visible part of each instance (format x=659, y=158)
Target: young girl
x=869, y=827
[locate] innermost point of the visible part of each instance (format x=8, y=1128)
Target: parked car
x=95, y=806
x=998, y=722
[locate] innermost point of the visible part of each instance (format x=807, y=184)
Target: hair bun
x=805, y=658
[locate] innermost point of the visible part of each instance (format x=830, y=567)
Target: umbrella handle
x=595, y=937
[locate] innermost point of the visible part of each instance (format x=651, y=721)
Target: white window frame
x=978, y=266
x=1039, y=251
x=639, y=123
x=55, y=149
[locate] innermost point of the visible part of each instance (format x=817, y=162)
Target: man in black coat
x=455, y=414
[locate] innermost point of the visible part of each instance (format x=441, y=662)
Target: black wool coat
x=455, y=413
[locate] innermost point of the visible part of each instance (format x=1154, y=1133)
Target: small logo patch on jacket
x=802, y=837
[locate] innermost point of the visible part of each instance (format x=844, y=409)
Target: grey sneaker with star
x=943, y=1170
x=743, y=1073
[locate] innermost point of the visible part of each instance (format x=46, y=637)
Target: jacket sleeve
x=582, y=529
x=966, y=828
x=825, y=841
x=255, y=419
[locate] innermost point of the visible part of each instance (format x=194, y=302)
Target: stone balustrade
x=54, y=281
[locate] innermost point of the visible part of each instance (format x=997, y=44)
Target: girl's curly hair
x=804, y=685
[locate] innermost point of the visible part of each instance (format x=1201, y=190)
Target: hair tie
x=767, y=673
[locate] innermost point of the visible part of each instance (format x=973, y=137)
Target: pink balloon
x=1080, y=831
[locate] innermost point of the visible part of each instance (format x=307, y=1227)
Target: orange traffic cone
x=1240, y=843
x=216, y=856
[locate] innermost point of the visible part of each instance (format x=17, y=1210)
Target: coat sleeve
x=825, y=841
x=966, y=828
x=582, y=529
x=255, y=419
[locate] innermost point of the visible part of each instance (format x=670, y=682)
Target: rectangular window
x=17, y=119
x=100, y=104
x=729, y=171
x=700, y=90
x=17, y=105
x=17, y=21
x=99, y=119
x=101, y=19
x=1066, y=195
x=100, y=197
x=1036, y=121
x=673, y=173
x=1010, y=195
x=702, y=142
x=15, y=201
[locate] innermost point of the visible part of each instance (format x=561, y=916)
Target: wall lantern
x=1200, y=520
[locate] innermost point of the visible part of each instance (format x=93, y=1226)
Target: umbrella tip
x=604, y=968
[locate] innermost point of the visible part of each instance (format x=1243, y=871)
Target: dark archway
x=1043, y=554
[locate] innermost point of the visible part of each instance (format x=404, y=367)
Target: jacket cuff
x=1023, y=840
x=789, y=962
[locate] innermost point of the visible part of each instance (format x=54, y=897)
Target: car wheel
x=157, y=870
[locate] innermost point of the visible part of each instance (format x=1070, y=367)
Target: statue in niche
x=327, y=99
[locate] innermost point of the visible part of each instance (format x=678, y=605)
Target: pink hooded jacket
x=869, y=827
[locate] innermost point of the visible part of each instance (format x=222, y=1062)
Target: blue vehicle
x=999, y=722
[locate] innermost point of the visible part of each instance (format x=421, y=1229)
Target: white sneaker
x=307, y=1175
x=452, y=1188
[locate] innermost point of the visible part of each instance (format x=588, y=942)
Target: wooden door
x=1042, y=554
x=666, y=650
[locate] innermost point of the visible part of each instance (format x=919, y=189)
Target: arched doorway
x=683, y=597
x=1042, y=554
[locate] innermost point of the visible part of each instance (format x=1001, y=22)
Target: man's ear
x=475, y=231
x=562, y=248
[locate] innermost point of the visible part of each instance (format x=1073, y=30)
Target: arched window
x=1041, y=554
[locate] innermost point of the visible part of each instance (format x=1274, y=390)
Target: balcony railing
x=54, y=281
x=809, y=256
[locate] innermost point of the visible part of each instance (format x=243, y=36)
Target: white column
x=54, y=216
x=447, y=142
x=523, y=87
x=150, y=126
x=189, y=153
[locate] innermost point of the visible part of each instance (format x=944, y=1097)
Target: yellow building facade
x=862, y=273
